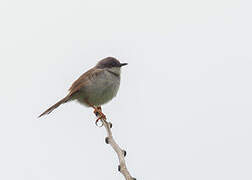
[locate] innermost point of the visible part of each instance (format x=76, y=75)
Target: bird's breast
x=102, y=88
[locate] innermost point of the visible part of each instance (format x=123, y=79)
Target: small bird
x=95, y=87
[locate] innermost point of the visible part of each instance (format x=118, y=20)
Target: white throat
x=115, y=70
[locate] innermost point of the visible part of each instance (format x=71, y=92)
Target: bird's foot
x=98, y=112
x=99, y=119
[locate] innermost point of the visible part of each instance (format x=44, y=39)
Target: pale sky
x=183, y=111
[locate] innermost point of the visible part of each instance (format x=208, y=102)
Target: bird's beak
x=123, y=64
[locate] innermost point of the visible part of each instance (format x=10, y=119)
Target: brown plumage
x=49, y=110
x=83, y=80
x=95, y=87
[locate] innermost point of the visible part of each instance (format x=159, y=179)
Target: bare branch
x=120, y=153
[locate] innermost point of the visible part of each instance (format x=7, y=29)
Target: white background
x=183, y=110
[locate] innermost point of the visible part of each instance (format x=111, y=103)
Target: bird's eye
x=113, y=64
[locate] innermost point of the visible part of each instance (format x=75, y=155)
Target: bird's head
x=111, y=64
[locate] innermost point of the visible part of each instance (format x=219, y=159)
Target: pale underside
x=99, y=88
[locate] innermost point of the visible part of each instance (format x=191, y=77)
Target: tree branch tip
x=107, y=140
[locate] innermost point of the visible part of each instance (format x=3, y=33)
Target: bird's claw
x=100, y=119
x=100, y=115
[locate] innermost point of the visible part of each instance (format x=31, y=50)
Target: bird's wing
x=84, y=80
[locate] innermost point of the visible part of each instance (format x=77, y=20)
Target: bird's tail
x=49, y=110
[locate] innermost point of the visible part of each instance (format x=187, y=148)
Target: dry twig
x=120, y=153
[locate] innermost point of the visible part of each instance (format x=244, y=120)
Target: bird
x=95, y=87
